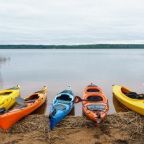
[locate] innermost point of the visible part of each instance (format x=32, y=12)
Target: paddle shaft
x=79, y=99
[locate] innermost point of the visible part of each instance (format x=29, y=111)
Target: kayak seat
x=134, y=95
x=64, y=97
x=94, y=98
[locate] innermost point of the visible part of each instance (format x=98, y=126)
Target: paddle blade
x=77, y=99
x=20, y=101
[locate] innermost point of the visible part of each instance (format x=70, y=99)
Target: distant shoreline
x=90, y=46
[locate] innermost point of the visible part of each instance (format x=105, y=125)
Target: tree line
x=92, y=46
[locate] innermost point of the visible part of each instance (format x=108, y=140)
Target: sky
x=71, y=21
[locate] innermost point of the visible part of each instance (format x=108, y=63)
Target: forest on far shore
x=90, y=46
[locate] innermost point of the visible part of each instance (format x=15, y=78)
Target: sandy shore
x=120, y=128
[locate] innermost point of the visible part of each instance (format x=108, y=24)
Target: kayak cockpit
x=131, y=94
x=64, y=97
x=95, y=98
x=5, y=93
x=32, y=97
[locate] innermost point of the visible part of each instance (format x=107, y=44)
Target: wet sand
x=119, y=128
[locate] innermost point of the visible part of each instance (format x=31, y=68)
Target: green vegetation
x=92, y=46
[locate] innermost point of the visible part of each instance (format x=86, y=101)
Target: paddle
x=20, y=101
x=78, y=99
x=2, y=110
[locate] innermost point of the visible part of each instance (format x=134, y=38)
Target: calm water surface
x=59, y=68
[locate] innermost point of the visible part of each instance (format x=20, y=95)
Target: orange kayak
x=30, y=104
x=95, y=106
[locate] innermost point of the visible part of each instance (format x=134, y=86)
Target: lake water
x=59, y=68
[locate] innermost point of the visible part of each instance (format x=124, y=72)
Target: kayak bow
x=61, y=107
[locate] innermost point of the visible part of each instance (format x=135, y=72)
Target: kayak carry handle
x=18, y=85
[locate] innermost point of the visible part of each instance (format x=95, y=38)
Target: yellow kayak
x=120, y=92
x=8, y=97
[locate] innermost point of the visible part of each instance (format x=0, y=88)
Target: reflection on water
x=2, y=61
x=57, y=69
x=119, y=107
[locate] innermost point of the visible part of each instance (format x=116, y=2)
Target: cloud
x=71, y=21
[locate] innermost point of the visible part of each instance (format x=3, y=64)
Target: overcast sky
x=71, y=21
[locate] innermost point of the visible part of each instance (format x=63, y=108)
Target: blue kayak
x=61, y=107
